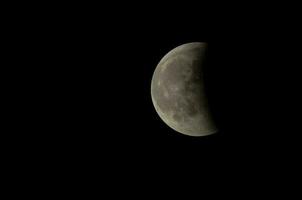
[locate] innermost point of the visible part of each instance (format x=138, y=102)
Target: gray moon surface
x=178, y=91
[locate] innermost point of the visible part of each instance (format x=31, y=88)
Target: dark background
x=91, y=114
x=105, y=106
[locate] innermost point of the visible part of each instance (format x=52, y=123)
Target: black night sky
x=107, y=92
x=94, y=75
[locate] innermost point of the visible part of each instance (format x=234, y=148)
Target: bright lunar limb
x=177, y=91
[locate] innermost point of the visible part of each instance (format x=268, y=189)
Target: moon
x=178, y=91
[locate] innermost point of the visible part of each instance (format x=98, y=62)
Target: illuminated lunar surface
x=178, y=93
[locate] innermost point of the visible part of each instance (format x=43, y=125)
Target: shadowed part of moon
x=178, y=92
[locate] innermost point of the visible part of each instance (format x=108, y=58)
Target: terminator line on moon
x=177, y=91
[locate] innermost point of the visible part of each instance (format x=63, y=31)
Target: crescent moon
x=178, y=92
